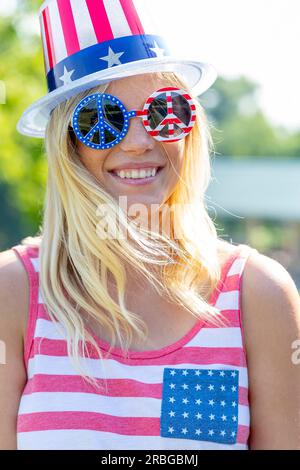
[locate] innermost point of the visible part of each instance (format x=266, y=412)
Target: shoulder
x=15, y=288
x=13, y=313
x=14, y=292
x=269, y=295
x=224, y=250
x=270, y=308
x=266, y=287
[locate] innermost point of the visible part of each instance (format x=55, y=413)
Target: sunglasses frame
x=170, y=120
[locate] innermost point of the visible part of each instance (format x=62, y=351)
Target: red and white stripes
x=171, y=118
x=69, y=26
x=59, y=410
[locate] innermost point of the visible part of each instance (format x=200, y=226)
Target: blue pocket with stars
x=200, y=404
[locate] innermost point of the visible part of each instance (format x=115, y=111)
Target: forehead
x=138, y=87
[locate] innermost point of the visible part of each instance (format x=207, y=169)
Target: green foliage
x=239, y=126
x=23, y=168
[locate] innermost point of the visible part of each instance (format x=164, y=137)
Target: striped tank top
x=192, y=394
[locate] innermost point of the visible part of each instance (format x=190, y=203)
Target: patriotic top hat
x=89, y=42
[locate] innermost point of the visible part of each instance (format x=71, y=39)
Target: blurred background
x=253, y=109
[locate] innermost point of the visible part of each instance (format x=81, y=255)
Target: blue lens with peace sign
x=101, y=120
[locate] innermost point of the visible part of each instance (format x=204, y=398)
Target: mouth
x=137, y=176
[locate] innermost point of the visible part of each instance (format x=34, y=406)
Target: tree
x=23, y=168
x=239, y=126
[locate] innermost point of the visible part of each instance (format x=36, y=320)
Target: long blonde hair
x=75, y=261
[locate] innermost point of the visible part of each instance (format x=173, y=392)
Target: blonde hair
x=75, y=261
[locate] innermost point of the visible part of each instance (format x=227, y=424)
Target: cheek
x=175, y=154
x=92, y=159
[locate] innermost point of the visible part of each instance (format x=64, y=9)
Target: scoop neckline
x=154, y=353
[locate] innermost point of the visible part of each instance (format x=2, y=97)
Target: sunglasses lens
x=88, y=117
x=158, y=112
x=181, y=108
x=112, y=116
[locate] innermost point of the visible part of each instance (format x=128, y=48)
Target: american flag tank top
x=192, y=394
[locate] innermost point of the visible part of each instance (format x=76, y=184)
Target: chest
x=166, y=323
x=165, y=320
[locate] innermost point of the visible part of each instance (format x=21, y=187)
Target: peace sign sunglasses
x=101, y=120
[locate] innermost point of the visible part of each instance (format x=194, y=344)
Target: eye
x=88, y=117
x=181, y=108
x=157, y=111
x=113, y=115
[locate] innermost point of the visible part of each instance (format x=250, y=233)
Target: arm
x=271, y=319
x=13, y=304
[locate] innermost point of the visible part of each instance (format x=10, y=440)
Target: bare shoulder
x=270, y=307
x=269, y=294
x=13, y=314
x=224, y=250
x=14, y=291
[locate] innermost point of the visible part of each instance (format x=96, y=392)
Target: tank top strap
x=240, y=257
x=230, y=296
x=29, y=256
x=231, y=272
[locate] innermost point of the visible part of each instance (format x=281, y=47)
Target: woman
x=134, y=325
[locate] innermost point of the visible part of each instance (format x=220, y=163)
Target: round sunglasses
x=101, y=121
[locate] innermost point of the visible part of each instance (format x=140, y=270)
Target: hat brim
x=198, y=76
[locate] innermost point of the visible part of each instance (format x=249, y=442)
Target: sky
x=256, y=38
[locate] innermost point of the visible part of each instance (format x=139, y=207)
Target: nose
x=137, y=140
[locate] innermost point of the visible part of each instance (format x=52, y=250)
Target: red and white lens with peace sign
x=169, y=114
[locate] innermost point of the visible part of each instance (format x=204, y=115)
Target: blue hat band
x=105, y=55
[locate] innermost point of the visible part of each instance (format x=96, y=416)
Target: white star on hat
x=157, y=50
x=113, y=58
x=66, y=77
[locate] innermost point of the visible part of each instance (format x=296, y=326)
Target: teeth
x=137, y=174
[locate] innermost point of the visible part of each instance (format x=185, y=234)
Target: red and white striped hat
x=89, y=42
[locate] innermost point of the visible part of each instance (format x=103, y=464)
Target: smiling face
x=138, y=150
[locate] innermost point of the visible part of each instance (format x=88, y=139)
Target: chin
x=146, y=200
